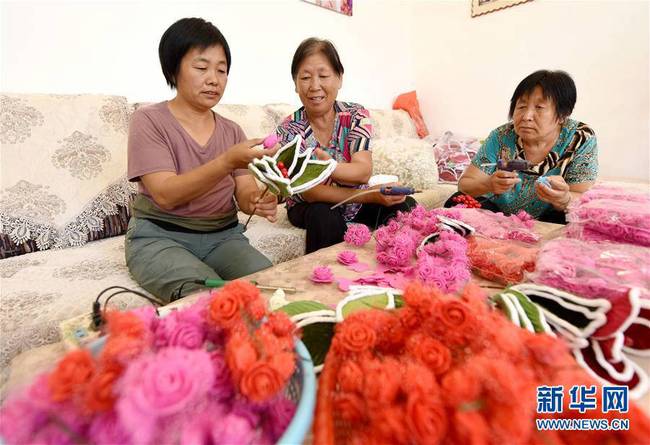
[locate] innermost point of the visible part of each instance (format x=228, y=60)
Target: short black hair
x=314, y=45
x=183, y=36
x=556, y=85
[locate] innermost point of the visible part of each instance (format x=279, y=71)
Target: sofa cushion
x=63, y=161
x=392, y=123
x=411, y=159
x=253, y=119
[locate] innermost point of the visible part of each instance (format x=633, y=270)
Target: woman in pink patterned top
x=338, y=130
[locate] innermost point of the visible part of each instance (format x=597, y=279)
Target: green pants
x=161, y=260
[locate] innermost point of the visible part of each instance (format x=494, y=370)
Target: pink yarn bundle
x=493, y=225
x=621, y=220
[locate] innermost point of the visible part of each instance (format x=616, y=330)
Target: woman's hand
x=265, y=206
x=386, y=200
x=558, y=195
x=240, y=155
x=503, y=181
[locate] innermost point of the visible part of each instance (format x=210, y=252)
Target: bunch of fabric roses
x=442, y=263
x=213, y=372
x=444, y=369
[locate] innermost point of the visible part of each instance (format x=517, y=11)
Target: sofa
x=64, y=203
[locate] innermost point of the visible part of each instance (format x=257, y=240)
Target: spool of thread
x=270, y=140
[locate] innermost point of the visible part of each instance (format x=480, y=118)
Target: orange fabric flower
x=389, y=426
x=241, y=290
x=122, y=348
x=281, y=324
x=382, y=383
x=454, y=314
x=350, y=376
x=420, y=298
x=240, y=354
x=225, y=309
x=256, y=308
x=409, y=318
x=354, y=336
x=460, y=387
x=349, y=407
x=430, y=352
x=284, y=363
x=99, y=392
x=260, y=382
x=124, y=323
x=427, y=421
x=71, y=374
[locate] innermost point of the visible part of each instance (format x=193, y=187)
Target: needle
x=251, y=215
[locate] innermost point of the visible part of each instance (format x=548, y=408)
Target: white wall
x=111, y=47
x=464, y=69
x=467, y=68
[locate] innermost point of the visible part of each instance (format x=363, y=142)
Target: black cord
x=154, y=302
x=97, y=316
x=177, y=294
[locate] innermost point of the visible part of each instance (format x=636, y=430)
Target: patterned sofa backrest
x=62, y=174
x=392, y=124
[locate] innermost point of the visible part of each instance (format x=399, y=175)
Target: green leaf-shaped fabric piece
x=303, y=306
x=532, y=310
x=379, y=301
x=287, y=154
x=312, y=171
x=317, y=338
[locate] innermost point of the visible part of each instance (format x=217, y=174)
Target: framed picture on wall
x=342, y=6
x=480, y=7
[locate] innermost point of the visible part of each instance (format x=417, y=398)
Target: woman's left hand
x=558, y=195
x=266, y=206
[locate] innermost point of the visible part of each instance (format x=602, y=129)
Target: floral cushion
x=63, y=161
x=411, y=159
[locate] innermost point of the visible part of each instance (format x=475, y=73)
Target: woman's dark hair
x=183, y=36
x=556, y=85
x=311, y=46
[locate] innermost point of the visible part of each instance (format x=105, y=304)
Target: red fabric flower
x=99, y=392
x=350, y=407
x=430, y=352
x=260, y=382
x=354, y=337
x=350, y=376
x=72, y=373
x=427, y=421
x=225, y=308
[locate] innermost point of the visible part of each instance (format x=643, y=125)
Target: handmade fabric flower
x=71, y=375
x=347, y=257
x=260, y=381
x=357, y=234
x=290, y=170
x=322, y=274
x=165, y=383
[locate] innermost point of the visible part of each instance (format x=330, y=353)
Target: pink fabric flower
x=347, y=257
x=234, y=429
x=322, y=274
x=185, y=328
x=156, y=385
x=357, y=234
x=223, y=388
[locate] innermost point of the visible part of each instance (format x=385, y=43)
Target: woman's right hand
x=386, y=200
x=503, y=181
x=240, y=155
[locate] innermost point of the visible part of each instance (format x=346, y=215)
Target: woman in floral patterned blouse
x=562, y=150
x=338, y=130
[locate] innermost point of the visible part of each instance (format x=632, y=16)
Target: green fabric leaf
x=312, y=171
x=531, y=309
x=379, y=301
x=303, y=306
x=286, y=155
x=317, y=338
